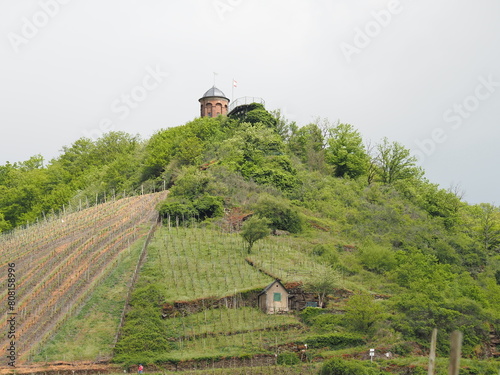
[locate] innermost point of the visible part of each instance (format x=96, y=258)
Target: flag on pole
x=235, y=84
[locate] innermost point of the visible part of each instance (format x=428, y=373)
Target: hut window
x=277, y=297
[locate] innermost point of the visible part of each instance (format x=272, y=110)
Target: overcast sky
x=423, y=73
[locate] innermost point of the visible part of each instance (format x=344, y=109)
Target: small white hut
x=274, y=298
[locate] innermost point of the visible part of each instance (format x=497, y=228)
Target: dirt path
x=69, y=368
x=88, y=368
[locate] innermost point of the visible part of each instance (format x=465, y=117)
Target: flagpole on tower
x=214, y=78
x=232, y=88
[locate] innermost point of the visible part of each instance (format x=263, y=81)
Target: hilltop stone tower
x=213, y=103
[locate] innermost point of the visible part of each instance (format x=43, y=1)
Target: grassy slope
x=202, y=263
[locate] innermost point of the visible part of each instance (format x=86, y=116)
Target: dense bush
x=180, y=208
x=309, y=314
x=206, y=206
x=337, y=366
x=362, y=313
x=480, y=368
x=191, y=183
x=257, y=113
x=280, y=213
x=334, y=341
x=327, y=322
x=377, y=258
x=287, y=358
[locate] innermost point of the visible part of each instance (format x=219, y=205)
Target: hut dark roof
x=270, y=285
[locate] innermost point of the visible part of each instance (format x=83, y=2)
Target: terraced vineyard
x=209, y=289
x=59, y=262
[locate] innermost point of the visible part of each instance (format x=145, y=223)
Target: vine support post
x=432, y=354
x=455, y=353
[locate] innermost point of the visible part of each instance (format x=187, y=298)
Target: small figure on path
x=140, y=369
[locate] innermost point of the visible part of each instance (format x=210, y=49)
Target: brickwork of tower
x=213, y=103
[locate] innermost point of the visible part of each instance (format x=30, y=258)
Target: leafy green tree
x=323, y=283
x=185, y=143
x=258, y=153
x=113, y=144
x=4, y=225
x=160, y=149
x=377, y=258
x=190, y=151
x=362, y=312
x=308, y=144
x=441, y=204
x=34, y=162
x=283, y=125
x=208, y=206
x=177, y=207
x=256, y=113
x=487, y=226
x=417, y=313
x=346, y=152
x=372, y=169
x=418, y=271
x=280, y=214
x=191, y=183
x=254, y=229
x=395, y=162
x=23, y=190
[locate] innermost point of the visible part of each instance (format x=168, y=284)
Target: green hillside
x=393, y=255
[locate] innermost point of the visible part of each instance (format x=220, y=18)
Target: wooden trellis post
x=456, y=349
x=432, y=354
